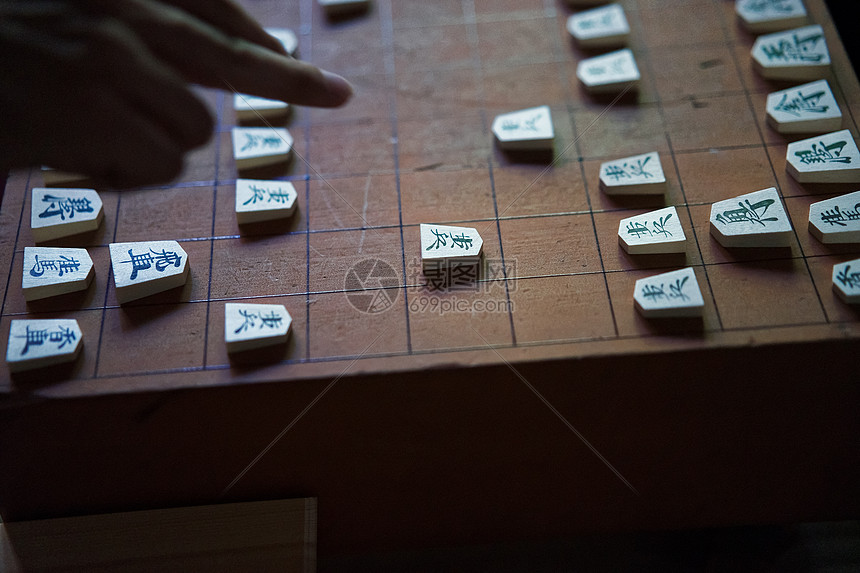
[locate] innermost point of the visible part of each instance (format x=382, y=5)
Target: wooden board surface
x=414, y=146
x=258, y=536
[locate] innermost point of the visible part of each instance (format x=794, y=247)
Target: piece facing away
x=50, y=271
x=526, y=129
x=604, y=27
x=261, y=146
x=264, y=200
x=669, y=295
x=146, y=268
x=251, y=326
x=287, y=38
x=252, y=108
x=804, y=109
x=799, y=54
x=652, y=233
x=609, y=73
x=760, y=16
x=846, y=281
x=37, y=343
x=56, y=213
x=342, y=7
x=756, y=219
x=828, y=158
x=57, y=178
x=636, y=175
x=836, y=220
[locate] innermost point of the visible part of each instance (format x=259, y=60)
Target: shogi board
x=414, y=146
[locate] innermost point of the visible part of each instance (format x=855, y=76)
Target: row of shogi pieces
x=791, y=50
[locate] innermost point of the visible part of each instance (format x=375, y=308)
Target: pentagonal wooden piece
x=604, y=27
x=258, y=200
x=261, y=146
x=836, y=220
x=252, y=108
x=527, y=129
x=56, y=212
x=761, y=16
x=651, y=233
x=753, y=220
x=286, y=37
x=636, y=175
x=846, y=281
x=249, y=326
x=443, y=243
x=672, y=294
x=807, y=108
x=146, y=268
x=829, y=158
x=53, y=271
x=798, y=54
x=609, y=73
x=341, y=7
x=37, y=343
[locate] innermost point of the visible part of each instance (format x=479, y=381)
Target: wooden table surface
x=537, y=403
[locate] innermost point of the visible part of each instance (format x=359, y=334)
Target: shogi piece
x=43, y=342
x=673, y=294
x=286, y=37
x=525, y=130
x=761, y=16
x=636, y=175
x=57, y=178
x=146, y=268
x=252, y=108
x=846, y=281
x=836, y=220
x=604, y=27
x=609, y=73
x=798, y=54
x=804, y=109
x=50, y=271
x=341, y=7
x=250, y=326
x=652, y=233
x=583, y=3
x=828, y=158
x=442, y=245
x=258, y=200
x=753, y=220
x=56, y=213
x=261, y=146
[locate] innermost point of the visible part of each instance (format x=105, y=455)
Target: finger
x=155, y=89
x=206, y=56
x=78, y=50
x=115, y=144
x=231, y=19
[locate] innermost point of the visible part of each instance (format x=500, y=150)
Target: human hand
x=100, y=87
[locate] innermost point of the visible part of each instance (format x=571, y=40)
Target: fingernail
x=338, y=87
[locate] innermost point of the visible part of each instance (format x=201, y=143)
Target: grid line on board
x=471, y=20
x=219, y=116
x=659, y=103
x=752, y=110
x=387, y=32
x=474, y=39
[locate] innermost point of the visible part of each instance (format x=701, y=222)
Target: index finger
x=231, y=19
x=205, y=55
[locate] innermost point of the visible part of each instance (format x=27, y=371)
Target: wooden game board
x=414, y=146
